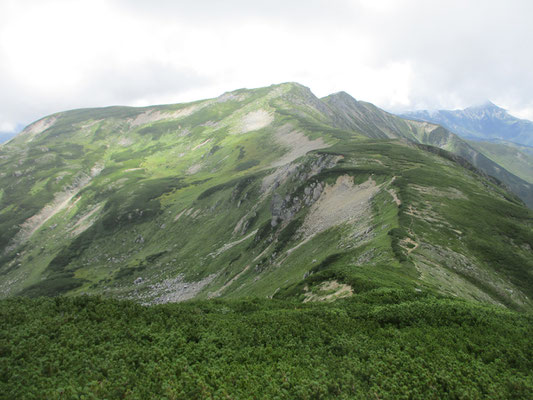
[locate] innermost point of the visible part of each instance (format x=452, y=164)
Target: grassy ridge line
x=382, y=344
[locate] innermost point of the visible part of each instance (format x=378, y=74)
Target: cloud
x=404, y=54
x=462, y=52
x=209, y=12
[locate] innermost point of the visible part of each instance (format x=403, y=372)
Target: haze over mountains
x=270, y=192
x=493, y=132
x=486, y=122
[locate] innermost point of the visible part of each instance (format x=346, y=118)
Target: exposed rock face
x=483, y=122
x=297, y=144
x=339, y=203
x=61, y=201
x=38, y=127
x=328, y=291
x=283, y=208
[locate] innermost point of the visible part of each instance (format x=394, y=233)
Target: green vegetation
x=205, y=195
x=246, y=165
x=507, y=162
x=381, y=344
x=53, y=286
x=361, y=228
x=513, y=158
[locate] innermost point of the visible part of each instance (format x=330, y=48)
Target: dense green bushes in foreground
x=382, y=344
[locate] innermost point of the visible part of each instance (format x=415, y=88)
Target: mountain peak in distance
x=485, y=121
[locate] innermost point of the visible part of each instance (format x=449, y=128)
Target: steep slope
x=514, y=159
x=374, y=122
x=366, y=118
x=265, y=192
x=485, y=122
x=444, y=139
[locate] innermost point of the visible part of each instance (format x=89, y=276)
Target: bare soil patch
x=329, y=291
x=297, y=143
x=344, y=202
x=255, y=120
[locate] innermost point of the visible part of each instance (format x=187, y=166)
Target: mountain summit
x=483, y=122
x=268, y=192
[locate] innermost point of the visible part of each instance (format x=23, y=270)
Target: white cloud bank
x=402, y=54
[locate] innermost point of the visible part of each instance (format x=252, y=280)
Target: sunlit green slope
x=514, y=159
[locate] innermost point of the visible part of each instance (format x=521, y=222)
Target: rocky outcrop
x=284, y=208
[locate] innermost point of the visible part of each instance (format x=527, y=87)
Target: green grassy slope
x=513, y=159
x=383, y=344
x=376, y=123
x=482, y=160
x=263, y=192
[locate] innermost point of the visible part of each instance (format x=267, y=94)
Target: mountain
x=486, y=122
x=373, y=122
x=5, y=136
x=8, y=135
x=269, y=192
x=514, y=158
x=494, y=146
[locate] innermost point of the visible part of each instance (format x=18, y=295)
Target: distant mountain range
x=486, y=122
x=494, y=133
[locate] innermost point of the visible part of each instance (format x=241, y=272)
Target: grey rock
x=276, y=205
x=317, y=191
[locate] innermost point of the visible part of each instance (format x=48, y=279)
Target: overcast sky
x=398, y=54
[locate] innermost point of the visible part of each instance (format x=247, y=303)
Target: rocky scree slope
x=268, y=192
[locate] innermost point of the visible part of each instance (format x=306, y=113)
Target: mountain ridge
x=483, y=122
x=365, y=117
x=263, y=192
